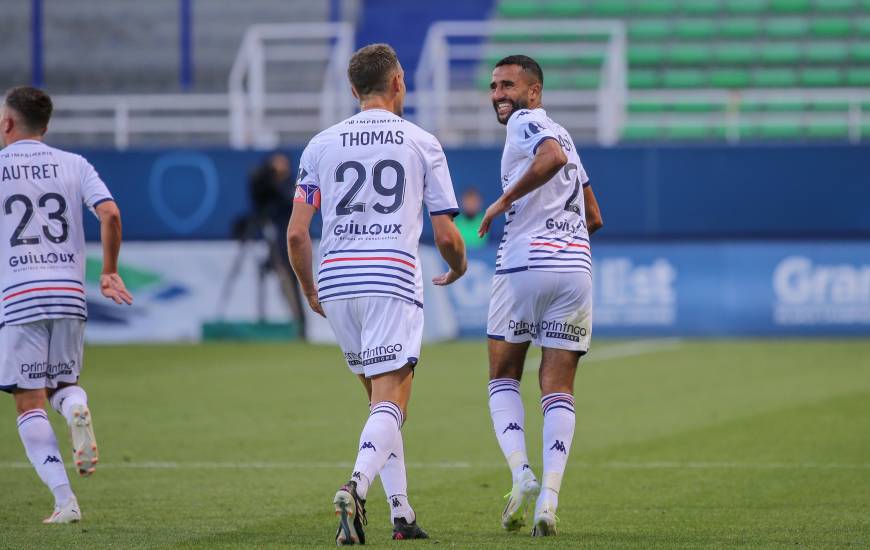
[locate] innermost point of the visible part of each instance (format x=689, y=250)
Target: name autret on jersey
x=29, y=172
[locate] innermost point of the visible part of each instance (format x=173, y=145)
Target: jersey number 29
x=346, y=205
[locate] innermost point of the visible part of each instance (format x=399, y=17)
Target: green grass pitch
x=695, y=444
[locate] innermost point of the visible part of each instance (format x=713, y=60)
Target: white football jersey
x=370, y=175
x=545, y=229
x=42, y=238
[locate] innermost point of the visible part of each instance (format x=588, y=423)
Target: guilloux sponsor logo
x=810, y=293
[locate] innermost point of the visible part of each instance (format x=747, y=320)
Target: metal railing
x=457, y=111
x=734, y=117
x=250, y=101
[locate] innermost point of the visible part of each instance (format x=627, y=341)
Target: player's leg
x=389, y=395
x=564, y=335
x=556, y=376
x=510, y=327
x=40, y=445
x=394, y=475
x=23, y=370
x=68, y=398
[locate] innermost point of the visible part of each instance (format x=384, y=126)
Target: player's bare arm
x=300, y=251
x=549, y=159
x=452, y=249
x=111, y=284
x=594, y=222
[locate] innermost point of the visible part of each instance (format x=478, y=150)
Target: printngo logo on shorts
x=522, y=327
x=380, y=354
x=47, y=370
x=563, y=331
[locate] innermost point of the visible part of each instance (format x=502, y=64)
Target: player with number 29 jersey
x=367, y=174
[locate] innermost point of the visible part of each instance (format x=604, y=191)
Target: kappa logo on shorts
x=563, y=331
x=379, y=354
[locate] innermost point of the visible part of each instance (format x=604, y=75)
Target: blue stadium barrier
x=705, y=192
x=710, y=289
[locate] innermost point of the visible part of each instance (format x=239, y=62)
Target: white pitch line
x=633, y=348
x=651, y=465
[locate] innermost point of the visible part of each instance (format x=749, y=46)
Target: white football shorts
x=551, y=309
x=375, y=333
x=41, y=354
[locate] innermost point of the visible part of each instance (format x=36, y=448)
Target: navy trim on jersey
x=72, y=306
x=574, y=238
x=557, y=259
x=43, y=281
x=542, y=140
x=452, y=212
x=49, y=297
x=349, y=292
x=511, y=270
x=101, y=201
x=587, y=184
x=579, y=267
x=325, y=269
x=331, y=277
x=360, y=283
x=63, y=313
x=495, y=337
x=358, y=251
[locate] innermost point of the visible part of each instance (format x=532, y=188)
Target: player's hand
x=497, y=208
x=314, y=304
x=447, y=278
x=112, y=287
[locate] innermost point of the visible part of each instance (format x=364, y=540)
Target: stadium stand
x=677, y=47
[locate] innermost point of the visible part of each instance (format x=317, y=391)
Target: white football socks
x=558, y=411
x=395, y=481
x=41, y=447
x=376, y=442
x=508, y=415
x=64, y=399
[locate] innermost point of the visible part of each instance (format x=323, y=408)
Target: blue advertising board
x=795, y=191
x=709, y=289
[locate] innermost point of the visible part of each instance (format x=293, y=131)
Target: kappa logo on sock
x=357, y=475
x=559, y=446
x=368, y=445
x=512, y=426
x=396, y=502
x=525, y=467
x=51, y=458
x=392, y=455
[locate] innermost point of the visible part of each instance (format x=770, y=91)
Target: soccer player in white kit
x=542, y=289
x=370, y=176
x=42, y=297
